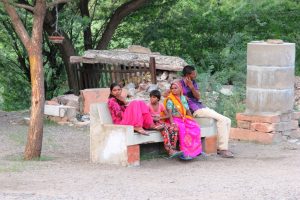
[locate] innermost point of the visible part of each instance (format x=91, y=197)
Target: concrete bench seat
x=119, y=144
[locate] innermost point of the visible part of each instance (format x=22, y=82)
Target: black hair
x=112, y=86
x=188, y=69
x=155, y=93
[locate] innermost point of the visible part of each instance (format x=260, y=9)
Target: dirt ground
x=257, y=172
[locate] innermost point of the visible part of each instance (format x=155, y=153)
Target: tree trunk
x=33, y=147
x=35, y=133
x=34, y=49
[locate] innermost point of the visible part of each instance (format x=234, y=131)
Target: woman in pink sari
x=189, y=130
x=135, y=113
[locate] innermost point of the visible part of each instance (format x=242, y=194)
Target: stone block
x=296, y=115
x=256, y=118
x=261, y=101
x=133, y=154
x=265, y=54
x=286, y=117
x=97, y=95
x=209, y=144
x=253, y=136
x=267, y=77
x=243, y=124
x=295, y=133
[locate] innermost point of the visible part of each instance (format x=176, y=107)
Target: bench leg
x=209, y=144
x=133, y=154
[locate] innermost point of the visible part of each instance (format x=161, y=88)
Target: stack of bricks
x=266, y=129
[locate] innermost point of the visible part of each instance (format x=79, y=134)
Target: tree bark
x=33, y=46
x=123, y=11
x=87, y=33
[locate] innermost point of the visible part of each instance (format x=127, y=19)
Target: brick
x=99, y=95
x=256, y=118
x=210, y=144
x=133, y=154
x=243, y=124
x=296, y=115
x=254, y=136
x=262, y=127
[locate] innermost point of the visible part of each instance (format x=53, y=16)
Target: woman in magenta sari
x=135, y=113
x=189, y=130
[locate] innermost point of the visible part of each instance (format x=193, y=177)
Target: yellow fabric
x=181, y=109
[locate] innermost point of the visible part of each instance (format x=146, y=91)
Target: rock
x=52, y=102
x=138, y=49
x=152, y=87
x=143, y=87
x=227, y=90
x=163, y=76
x=69, y=100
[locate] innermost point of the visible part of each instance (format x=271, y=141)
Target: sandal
x=175, y=154
x=141, y=131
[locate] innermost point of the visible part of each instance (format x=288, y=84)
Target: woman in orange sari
x=189, y=130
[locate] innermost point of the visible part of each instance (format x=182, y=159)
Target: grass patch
x=18, y=138
x=13, y=167
x=153, y=155
x=153, y=151
x=48, y=122
x=20, y=157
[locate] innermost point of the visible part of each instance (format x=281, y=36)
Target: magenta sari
x=189, y=136
x=136, y=113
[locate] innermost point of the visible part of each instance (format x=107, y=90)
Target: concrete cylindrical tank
x=270, y=78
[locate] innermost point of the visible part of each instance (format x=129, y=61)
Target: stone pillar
x=270, y=78
x=269, y=94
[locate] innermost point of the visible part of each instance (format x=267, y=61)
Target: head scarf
x=176, y=101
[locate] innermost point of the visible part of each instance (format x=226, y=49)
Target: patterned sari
x=189, y=130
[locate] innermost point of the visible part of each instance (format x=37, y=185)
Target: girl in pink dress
x=160, y=116
x=135, y=113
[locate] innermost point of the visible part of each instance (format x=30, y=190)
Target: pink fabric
x=161, y=108
x=189, y=136
x=136, y=113
x=116, y=110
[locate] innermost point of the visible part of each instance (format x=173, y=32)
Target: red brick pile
x=266, y=129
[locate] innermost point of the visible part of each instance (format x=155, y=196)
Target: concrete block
x=97, y=95
x=264, y=54
x=264, y=101
x=270, y=77
x=296, y=115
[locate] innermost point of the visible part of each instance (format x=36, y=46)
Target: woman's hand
x=122, y=99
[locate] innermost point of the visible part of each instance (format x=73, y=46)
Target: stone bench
x=119, y=144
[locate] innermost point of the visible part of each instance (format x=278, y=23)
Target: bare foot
x=140, y=131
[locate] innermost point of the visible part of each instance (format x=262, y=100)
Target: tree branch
x=17, y=23
x=120, y=13
x=26, y=7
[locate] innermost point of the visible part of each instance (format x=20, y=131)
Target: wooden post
x=152, y=67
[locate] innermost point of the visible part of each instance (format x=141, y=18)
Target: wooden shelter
x=99, y=68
